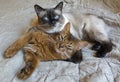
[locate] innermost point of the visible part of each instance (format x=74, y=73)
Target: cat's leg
x=76, y=57
x=96, y=46
x=31, y=62
x=106, y=46
x=103, y=45
x=16, y=46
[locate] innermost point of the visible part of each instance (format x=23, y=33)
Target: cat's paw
x=100, y=55
x=7, y=54
x=23, y=74
x=96, y=46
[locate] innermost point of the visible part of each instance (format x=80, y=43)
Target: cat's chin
x=56, y=28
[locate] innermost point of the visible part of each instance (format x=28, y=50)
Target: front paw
x=23, y=74
x=7, y=54
x=100, y=55
x=96, y=46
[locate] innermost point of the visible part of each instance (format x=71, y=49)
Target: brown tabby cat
x=39, y=46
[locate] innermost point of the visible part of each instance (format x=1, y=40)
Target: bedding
x=15, y=17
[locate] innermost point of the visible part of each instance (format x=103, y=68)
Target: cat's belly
x=45, y=53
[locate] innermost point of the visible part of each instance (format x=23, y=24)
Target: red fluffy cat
x=40, y=46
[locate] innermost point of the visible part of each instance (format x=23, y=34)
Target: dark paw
x=105, y=48
x=76, y=57
x=74, y=60
x=100, y=55
x=96, y=46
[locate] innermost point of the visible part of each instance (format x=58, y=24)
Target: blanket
x=15, y=17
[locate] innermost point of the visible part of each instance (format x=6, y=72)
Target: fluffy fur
x=39, y=46
x=83, y=27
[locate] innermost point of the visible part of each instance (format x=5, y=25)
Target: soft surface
x=15, y=17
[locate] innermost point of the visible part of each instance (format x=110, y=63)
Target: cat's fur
x=83, y=27
x=39, y=46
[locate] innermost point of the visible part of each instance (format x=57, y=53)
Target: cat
x=39, y=46
x=83, y=26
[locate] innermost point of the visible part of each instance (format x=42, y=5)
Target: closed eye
x=69, y=47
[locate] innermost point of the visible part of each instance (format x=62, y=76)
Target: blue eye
x=56, y=17
x=46, y=19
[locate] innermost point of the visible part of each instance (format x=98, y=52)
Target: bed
x=15, y=17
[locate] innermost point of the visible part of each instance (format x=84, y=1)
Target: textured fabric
x=15, y=17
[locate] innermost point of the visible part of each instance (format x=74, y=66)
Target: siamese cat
x=83, y=26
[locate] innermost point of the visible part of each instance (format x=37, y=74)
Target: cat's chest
x=39, y=41
x=41, y=38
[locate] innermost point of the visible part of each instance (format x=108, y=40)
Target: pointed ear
x=82, y=44
x=59, y=6
x=66, y=29
x=38, y=9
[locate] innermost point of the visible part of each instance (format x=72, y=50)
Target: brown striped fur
x=39, y=46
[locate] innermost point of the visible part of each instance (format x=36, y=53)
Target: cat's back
x=79, y=18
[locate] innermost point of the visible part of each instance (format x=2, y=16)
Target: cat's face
x=66, y=43
x=48, y=18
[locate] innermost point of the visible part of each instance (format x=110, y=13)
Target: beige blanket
x=15, y=16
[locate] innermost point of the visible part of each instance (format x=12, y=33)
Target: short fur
x=83, y=27
x=39, y=46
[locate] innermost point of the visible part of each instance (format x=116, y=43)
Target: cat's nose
x=53, y=22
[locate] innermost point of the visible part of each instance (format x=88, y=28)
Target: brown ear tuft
x=82, y=44
x=66, y=28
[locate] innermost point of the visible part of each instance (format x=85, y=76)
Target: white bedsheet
x=15, y=16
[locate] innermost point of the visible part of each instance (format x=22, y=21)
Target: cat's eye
x=46, y=18
x=56, y=17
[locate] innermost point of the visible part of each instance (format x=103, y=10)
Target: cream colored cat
x=83, y=26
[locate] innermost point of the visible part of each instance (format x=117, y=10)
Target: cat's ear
x=38, y=9
x=67, y=28
x=82, y=44
x=59, y=6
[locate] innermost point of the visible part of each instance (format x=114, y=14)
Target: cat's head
x=49, y=17
x=66, y=43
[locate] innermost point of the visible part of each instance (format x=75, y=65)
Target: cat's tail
x=17, y=45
